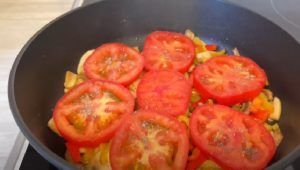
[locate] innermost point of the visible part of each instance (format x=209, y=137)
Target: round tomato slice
x=168, y=50
x=114, y=62
x=91, y=112
x=165, y=92
x=229, y=79
x=231, y=138
x=148, y=140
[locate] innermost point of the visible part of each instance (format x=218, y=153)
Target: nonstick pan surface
x=37, y=76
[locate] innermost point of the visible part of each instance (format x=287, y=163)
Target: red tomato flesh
x=232, y=139
x=114, y=62
x=229, y=79
x=168, y=50
x=91, y=112
x=73, y=150
x=165, y=92
x=148, y=140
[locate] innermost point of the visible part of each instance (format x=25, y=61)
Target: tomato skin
x=115, y=69
x=93, y=138
x=74, y=152
x=232, y=139
x=196, y=160
x=221, y=79
x=165, y=92
x=168, y=50
x=124, y=151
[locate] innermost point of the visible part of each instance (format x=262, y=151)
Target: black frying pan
x=37, y=76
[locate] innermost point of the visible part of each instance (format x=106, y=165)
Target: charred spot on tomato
x=250, y=151
x=218, y=138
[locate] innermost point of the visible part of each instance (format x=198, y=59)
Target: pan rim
x=59, y=161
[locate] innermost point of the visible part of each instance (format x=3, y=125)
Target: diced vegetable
x=261, y=103
x=277, y=109
x=271, y=121
x=189, y=34
x=184, y=119
x=70, y=80
x=243, y=107
x=195, y=96
x=96, y=158
x=210, y=165
x=191, y=68
x=261, y=108
x=82, y=60
x=269, y=94
x=236, y=52
x=136, y=48
x=275, y=132
x=204, y=56
x=52, y=126
x=200, y=45
x=133, y=86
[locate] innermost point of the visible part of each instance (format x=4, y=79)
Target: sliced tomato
x=74, y=152
x=232, y=139
x=91, y=112
x=114, y=62
x=168, y=50
x=166, y=92
x=148, y=140
x=229, y=79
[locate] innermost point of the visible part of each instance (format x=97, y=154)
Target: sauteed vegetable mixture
x=177, y=104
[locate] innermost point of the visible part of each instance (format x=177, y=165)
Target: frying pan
x=37, y=76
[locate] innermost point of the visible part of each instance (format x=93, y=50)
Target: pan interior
x=39, y=74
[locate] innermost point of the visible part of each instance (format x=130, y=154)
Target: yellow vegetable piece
x=209, y=165
x=184, y=119
x=188, y=33
x=96, y=158
x=70, y=80
x=200, y=45
x=52, y=126
x=204, y=56
x=136, y=48
x=133, y=87
x=197, y=41
x=195, y=96
x=236, y=52
x=275, y=115
x=275, y=132
x=261, y=103
x=80, y=69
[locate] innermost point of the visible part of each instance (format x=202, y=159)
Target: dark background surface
x=32, y=160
